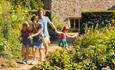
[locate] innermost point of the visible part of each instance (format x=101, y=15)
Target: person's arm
x=20, y=36
x=52, y=25
x=33, y=35
x=68, y=35
x=39, y=31
x=75, y=35
x=58, y=32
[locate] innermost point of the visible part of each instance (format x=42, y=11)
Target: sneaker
x=24, y=61
x=34, y=62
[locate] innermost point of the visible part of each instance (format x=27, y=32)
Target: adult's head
x=41, y=12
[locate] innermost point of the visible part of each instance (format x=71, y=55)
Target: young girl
x=37, y=30
x=63, y=35
x=25, y=41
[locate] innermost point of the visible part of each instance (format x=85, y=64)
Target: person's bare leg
x=67, y=48
x=47, y=46
x=27, y=53
x=42, y=56
x=46, y=49
x=34, y=53
x=23, y=51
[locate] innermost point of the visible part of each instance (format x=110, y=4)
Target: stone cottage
x=69, y=11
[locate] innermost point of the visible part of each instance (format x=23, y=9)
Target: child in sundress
x=25, y=32
x=62, y=36
x=37, y=34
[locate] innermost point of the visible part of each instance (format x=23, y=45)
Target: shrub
x=98, y=46
x=59, y=27
x=9, y=63
x=9, y=45
x=56, y=22
x=27, y=4
x=93, y=18
x=92, y=51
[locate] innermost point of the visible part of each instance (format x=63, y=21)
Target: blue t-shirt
x=45, y=20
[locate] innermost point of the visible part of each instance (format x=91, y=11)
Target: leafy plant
x=92, y=51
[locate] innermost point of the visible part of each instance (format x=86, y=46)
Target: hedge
x=92, y=18
x=48, y=12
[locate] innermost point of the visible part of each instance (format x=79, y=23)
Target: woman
x=45, y=21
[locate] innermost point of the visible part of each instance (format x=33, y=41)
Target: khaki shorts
x=46, y=41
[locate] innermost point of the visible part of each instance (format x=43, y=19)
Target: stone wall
x=64, y=9
x=97, y=4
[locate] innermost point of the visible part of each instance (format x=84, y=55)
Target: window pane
x=76, y=23
x=72, y=23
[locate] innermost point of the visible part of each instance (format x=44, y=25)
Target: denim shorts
x=37, y=43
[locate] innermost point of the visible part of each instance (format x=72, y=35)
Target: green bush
x=48, y=13
x=91, y=51
x=27, y=4
x=9, y=63
x=56, y=22
x=9, y=30
x=93, y=18
x=98, y=46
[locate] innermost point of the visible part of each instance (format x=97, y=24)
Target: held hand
x=54, y=30
x=76, y=35
x=19, y=38
x=30, y=37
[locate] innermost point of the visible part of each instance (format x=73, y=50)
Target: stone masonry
x=64, y=9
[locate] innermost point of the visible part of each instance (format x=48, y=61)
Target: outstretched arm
x=33, y=35
x=53, y=26
x=71, y=35
x=39, y=31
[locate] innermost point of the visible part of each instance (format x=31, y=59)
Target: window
x=74, y=24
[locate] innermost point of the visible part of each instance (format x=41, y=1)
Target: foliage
x=35, y=12
x=92, y=51
x=9, y=63
x=93, y=18
x=56, y=22
x=58, y=25
x=12, y=14
x=27, y=4
x=9, y=25
x=98, y=46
